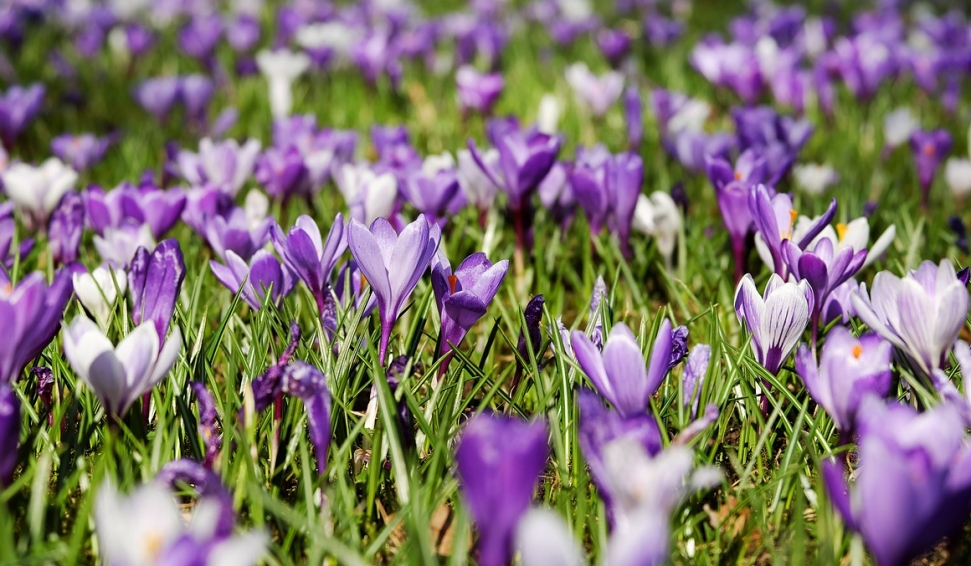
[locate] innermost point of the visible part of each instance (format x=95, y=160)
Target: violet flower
x=589, y=179
x=614, y=44
x=921, y=314
x=776, y=319
x=464, y=296
x=929, y=150
x=774, y=219
x=392, y=264
x=120, y=375
x=619, y=373
x=239, y=233
x=9, y=432
x=634, y=118
x=913, y=485
x=309, y=257
x=626, y=175
x=263, y=275
x=19, y=107
x=207, y=427
x=849, y=370
x=824, y=268
x=32, y=312
x=117, y=246
x=201, y=204
x=693, y=379
x=778, y=138
x=66, y=228
x=158, y=95
x=431, y=192
x=80, y=151
x=154, y=282
x=225, y=164
x=525, y=157
x=499, y=460
x=195, y=92
x=198, y=38
x=478, y=91
x=598, y=93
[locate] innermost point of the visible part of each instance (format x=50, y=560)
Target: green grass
x=382, y=501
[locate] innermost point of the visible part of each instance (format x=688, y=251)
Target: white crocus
x=814, y=178
x=98, y=290
x=120, y=375
x=548, y=116
x=227, y=163
x=597, y=92
x=37, y=189
x=256, y=207
x=144, y=528
x=957, y=173
x=690, y=117
x=897, y=127
x=336, y=36
x=659, y=216
x=368, y=195
x=855, y=234
x=117, y=246
x=543, y=539
x=479, y=189
x=434, y=164
x=281, y=68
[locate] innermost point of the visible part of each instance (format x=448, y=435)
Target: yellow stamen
x=857, y=351
x=841, y=231
x=787, y=233
x=153, y=544
x=363, y=282
x=452, y=280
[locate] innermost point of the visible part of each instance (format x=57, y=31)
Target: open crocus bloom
x=776, y=319
x=120, y=375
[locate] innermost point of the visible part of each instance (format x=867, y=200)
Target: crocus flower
x=65, y=229
x=774, y=218
x=80, y=151
x=117, y=246
x=589, y=179
x=158, y=95
x=478, y=91
x=614, y=44
x=499, y=460
x=147, y=528
x=263, y=274
x=154, y=281
x=368, y=195
x=921, y=314
x=849, y=370
x=309, y=257
x=693, y=379
x=543, y=539
x=18, y=108
x=525, y=157
x=813, y=178
x=98, y=290
x=392, y=264
x=824, y=268
x=120, y=375
x=854, y=234
x=32, y=313
x=9, y=432
x=929, y=150
x=776, y=319
x=619, y=373
x=239, y=233
x=596, y=92
x=281, y=68
x=128, y=204
x=634, y=117
x=548, y=114
x=625, y=177
x=432, y=192
x=201, y=204
x=37, y=190
x=199, y=36
x=480, y=190
x=778, y=138
x=898, y=126
x=225, y=164
x=195, y=92
x=463, y=296
x=658, y=215
x=957, y=174
x=207, y=426
x=913, y=485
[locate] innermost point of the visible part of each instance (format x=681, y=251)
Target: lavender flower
x=774, y=218
x=263, y=275
x=238, y=232
x=309, y=257
x=598, y=93
x=392, y=264
x=693, y=380
x=226, y=164
x=32, y=311
x=158, y=95
x=19, y=107
x=929, y=150
x=66, y=228
x=9, y=432
x=921, y=314
x=499, y=460
x=117, y=246
x=824, y=268
x=80, y=151
x=154, y=281
x=478, y=91
x=776, y=319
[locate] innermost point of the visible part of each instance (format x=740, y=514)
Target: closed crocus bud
x=634, y=117
x=9, y=432
x=158, y=95
x=281, y=68
x=18, y=108
x=119, y=375
x=66, y=228
x=479, y=189
x=921, y=313
x=850, y=370
x=98, y=290
x=659, y=216
x=929, y=149
x=37, y=190
x=957, y=174
x=309, y=256
x=195, y=92
x=499, y=460
x=155, y=280
x=263, y=274
x=589, y=180
x=776, y=319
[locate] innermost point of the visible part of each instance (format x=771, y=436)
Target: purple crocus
x=392, y=263
x=117, y=246
x=824, y=268
x=849, y=370
x=619, y=373
x=499, y=460
x=478, y=91
x=525, y=157
x=588, y=179
x=154, y=282
x=198, y=38
x=776, y=319
x=913, y=485
x=9, y=432
x=80, y=151
x=929, y=149
x=225, y=164
x=18, y=108
x=614, y=44
x=625, y=178
x=634, y=118
x=203, y=203
x=237, y=232
x=207, y=427
x=693, y=379
x=309, y=257
x=195, y=92
x=432, y=192
x=778, y=138
x=65, y=229
x=264, y=274
x=158, y=95
x=597, y=92
x=921, y=313
x=463, y=296
x=148, y=204
x=774, y=218
x=32, y=313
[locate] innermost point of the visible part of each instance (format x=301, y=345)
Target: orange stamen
x=792, y=221
x=452, y=280
x=857, y=351
x=929, y=149
x=738, y=176
x=841, y=231
x=363, y=282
